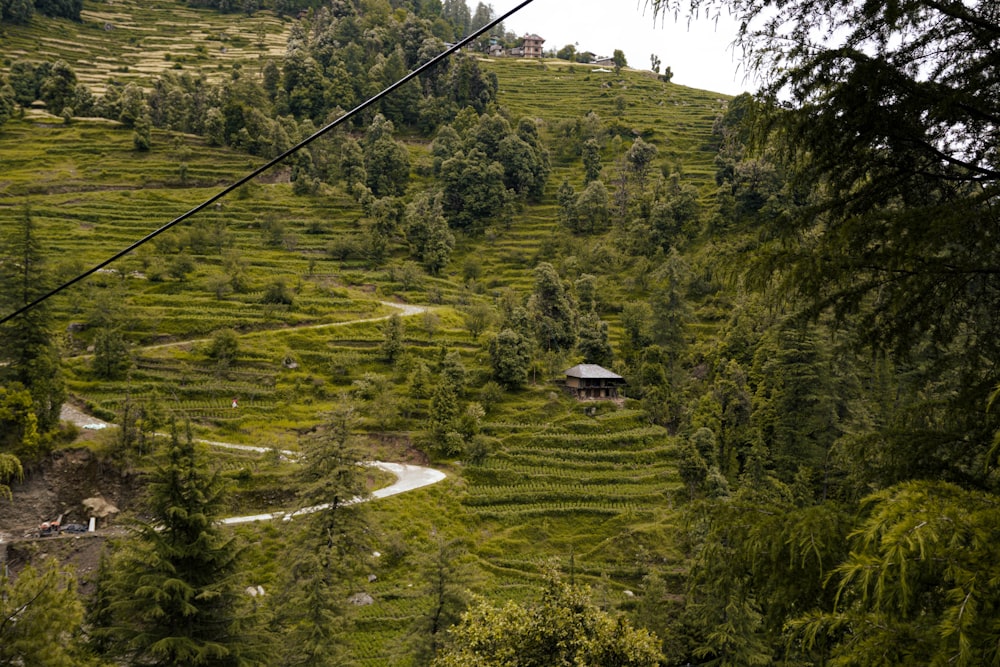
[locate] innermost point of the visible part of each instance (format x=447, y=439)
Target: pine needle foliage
x=173, y=590
x=41, y=618
x=921, y=584
x=330, y=546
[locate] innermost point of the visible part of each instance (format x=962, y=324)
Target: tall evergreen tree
x=552, y=309
x=921, y=583
x=895, y=175
x=310, y=608
x=41, y=618
x=392, y=338
x=27, y=352
x=428, y=233
x=174, y=596
x=593, y=343
x=446, y=580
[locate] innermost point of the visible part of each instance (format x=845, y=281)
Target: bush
x=278, y=293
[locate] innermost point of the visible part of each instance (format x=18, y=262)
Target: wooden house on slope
x=593, y=382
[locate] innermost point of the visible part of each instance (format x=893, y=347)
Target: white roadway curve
x=408, y=476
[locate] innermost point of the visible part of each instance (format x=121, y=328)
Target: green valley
x=803, y=409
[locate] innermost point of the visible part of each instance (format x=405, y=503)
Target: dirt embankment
x=56, y=486
x=59, y=485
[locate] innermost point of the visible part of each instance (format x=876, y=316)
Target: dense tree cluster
x=325, y=70
x=29, y=355
x=856, y=197
x=563, y=627
x=21, y=11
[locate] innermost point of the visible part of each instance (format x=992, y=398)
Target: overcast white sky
x=699, y=54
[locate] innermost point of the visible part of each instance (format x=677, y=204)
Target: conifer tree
x=428, y=233
x=329, y=545
x=392, y=338
x=446, y=578
x=591, y=160
x=173, y=599
x=921, y=582
x=28, y=354
x=41, y=618
x=444, y=409
x=593, y=341
x=552, y=309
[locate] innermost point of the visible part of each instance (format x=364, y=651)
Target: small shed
x=593, y=382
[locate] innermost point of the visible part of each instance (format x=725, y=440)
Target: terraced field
x=677, y=118
x=594, y=490
x=604, y=468
x=129, y=40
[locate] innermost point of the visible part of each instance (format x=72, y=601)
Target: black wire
x=261, y=169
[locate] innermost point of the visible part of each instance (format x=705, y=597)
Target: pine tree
x=28, y=354
x=593, y=341
x=310, y=607
x=552, y=309
x=921, y=583
x=18, y=435
x=173, y=599
x=591, y=160
x=444, y=409
x=392, y=338
x=41, y=618
x=447, y=579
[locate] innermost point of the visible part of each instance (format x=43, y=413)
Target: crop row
x=523, y=511
x=640, y=435
x=579, y=474
x=601, y=571
x=155, y=365
x=568, y=456
x=624, y=424
x=537, y=492
x=208, y=391
x=391, y=607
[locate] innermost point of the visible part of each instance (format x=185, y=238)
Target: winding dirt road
x=405, y=309
x=408, y=476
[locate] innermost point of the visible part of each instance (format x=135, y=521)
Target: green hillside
x=801, y=467
x=552, y=482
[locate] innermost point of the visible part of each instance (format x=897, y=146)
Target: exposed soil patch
x=59, y=485
x=82, y=552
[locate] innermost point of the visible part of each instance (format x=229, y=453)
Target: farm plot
x=132, y=40
x=570, y=488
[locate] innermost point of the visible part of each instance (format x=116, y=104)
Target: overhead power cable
x=433, y=62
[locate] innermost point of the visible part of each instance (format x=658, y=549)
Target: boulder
x=100, y=507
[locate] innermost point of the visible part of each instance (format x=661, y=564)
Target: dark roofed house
x=593, y=382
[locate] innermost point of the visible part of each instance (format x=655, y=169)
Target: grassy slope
x=131, y=41
x=558, y=482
